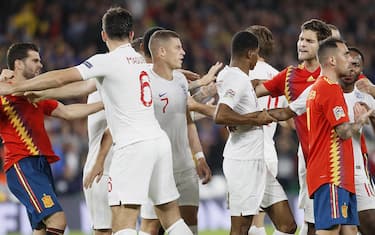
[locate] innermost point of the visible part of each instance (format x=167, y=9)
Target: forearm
x=75, y=111
x=348, y=130
x=205, y=109
x=105, y=146
x=194, y=141
x=236, y=119
x=48, y=80
x=281, y=114
x=71, y=90
x=195, y=84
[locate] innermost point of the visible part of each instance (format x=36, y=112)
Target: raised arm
x=347, y=130
x=208, y=78
x=203, y=170
x=74, y=111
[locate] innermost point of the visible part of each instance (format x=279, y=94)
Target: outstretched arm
x=203, y=170
x=44, y=81
x=205, y=109
x=347, y=130
x=74, y=111
x=71, y=90
x=208, y=78
x=226, y=116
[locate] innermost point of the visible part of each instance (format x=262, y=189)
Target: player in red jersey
x=28, y=151
x=291, y=82
x=330, y=166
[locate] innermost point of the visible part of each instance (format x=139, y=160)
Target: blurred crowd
x=69, y=31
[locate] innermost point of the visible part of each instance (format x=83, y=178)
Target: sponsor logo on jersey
x=338, y=111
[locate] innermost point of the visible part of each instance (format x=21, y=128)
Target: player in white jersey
x=142, y=162
x=244, y=166
x=170, y=91
x=275, y=201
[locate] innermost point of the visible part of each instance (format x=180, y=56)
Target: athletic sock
x=54, y=231
x=179, y=228
x=254, y=230
x=127, y=231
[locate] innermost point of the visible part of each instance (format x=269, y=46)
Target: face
x=32, y=65
x=307, y=45
x=356, y=67
x=343, y=61
x=174, y=53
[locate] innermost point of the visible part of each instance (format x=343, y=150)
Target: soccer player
x=28, y=151
x=142, y=163
x=170, y=92
x=243, y=152
x=330, y=166
x=275, y=199
x=291, y=82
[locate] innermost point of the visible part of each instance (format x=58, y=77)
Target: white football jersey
x=170, y=98
x=236, y=91
x=126, y=93
x=96, y=125
x=350, y=99
x=264, y=71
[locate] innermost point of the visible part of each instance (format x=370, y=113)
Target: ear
x=104, y=36
x=18, y=64
x=332, y=61
x=131, y=35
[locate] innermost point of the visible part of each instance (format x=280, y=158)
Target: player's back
x=126, y=92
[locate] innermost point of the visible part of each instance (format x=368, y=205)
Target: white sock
x=303, y=230
x=142, y=233
x=254, y=230
x=127, y=231
x=194, y=229
x=280, y=233
x=179, y=228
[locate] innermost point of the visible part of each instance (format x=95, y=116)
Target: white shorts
x=187, y=185
x=97, y=203
x=303, y=194
x=143, y=170
x=365, y=196
x=309, y=211
x=246, y=180
x=273, y=192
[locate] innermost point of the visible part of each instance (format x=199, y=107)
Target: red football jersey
x=291, y=82
x=331, y=158
x=22, y=129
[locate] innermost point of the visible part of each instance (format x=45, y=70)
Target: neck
x=241, y=64
x=346, y=87
x=113, y=44
x=330, y=74
x=311, y=65
x=18, y=76
x=163, y=70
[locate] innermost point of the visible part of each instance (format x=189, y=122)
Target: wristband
x=199, y=155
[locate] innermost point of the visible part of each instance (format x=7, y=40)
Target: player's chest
x=169, y=98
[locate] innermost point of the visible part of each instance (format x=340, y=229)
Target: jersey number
x=146, y=96
x=166, y=103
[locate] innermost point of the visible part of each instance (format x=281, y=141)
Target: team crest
x=230, y=93
x=47, y=201
x=344, y=211
x=338, y=111
x=310, y=79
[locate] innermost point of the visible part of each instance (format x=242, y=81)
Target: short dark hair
x=359, y=53
x=19, y=51
x=326, y=45
x=319, y=27
x=161, y=35
x=136, y=44
x=117, y=22
x=242, y=42
x=265, y=39
x=146, y=39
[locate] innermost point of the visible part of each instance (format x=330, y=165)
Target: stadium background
x=69, y=31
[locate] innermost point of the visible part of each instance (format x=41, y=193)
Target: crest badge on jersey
x=47, y=201
x=230, y=93
x=338, y=111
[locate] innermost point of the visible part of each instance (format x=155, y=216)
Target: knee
x=56, y=220
x=290, y=227
x=150, y=226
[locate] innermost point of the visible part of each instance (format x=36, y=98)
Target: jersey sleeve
x=48, y=106
x=276, y=85
x=299, y=105
x=229, y=90
x=334, y=105
x=93, y=67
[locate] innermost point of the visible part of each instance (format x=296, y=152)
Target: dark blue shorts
x=333, y=206
x=31, y=181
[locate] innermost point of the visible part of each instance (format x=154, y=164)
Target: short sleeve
x=299, y=105
x=93, y=67
x=277, y=84
x=230, y=90
x=48, y=106
x=334, y=105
